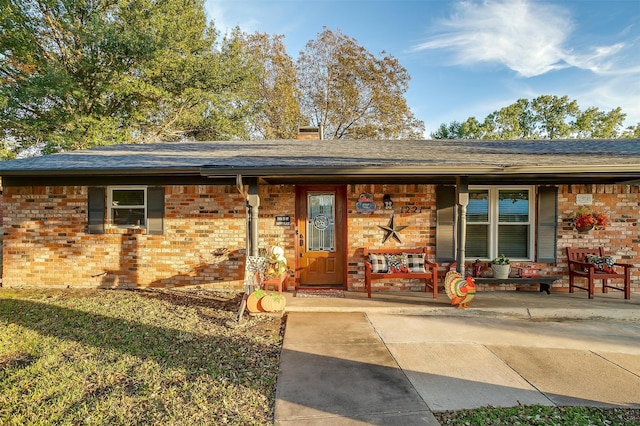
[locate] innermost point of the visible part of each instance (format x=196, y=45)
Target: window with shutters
x=500, y=221
x=126, y=207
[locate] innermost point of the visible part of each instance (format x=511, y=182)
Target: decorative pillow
x=415, y=262
x=604, y=263
x=378, y=263
x=397, y=263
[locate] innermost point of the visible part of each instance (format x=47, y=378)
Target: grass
x=98, y=357
x=116, y=357
x=542, y=415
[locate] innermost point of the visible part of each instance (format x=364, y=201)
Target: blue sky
x=470, y=58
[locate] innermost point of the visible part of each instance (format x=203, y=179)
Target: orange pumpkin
x=273, y=302
x=253, y=301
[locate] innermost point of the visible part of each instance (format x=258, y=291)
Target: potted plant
x=501, y=266
x=585, y=220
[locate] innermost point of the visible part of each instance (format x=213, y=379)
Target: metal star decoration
x=391, y=231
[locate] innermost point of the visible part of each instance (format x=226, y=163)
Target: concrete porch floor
x=512, y=303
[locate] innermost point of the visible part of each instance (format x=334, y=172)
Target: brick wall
x=278, y=200
x=414, y=206
x=621, y=238
x=46, y=243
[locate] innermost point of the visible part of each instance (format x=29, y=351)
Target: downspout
x=462, y=199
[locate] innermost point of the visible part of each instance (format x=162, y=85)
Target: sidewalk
x=395, y=358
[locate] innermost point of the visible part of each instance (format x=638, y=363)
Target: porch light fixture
x=388, y=202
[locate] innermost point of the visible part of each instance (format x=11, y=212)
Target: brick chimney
x=309, y=133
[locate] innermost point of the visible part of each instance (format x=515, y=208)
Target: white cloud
x=614, y=92
x=224, y=18
x=618, y=59
x=525, y=36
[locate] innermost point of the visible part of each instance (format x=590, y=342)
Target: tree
x=351, y=93
x=469, y=129
x=597, y=124
x=448, y=131
x=632, y=132
x=216, y=95
x=80, y=73
x=545, y=117
x=555, y=117
x=515, y=121
x=278, y=113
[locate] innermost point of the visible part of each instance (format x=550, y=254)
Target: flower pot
x=584, y=229
x=500, y=271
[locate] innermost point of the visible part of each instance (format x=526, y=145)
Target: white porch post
x=462, y=200
x=252, y=200
x=253, y=204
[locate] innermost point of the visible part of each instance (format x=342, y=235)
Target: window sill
x=126, y=231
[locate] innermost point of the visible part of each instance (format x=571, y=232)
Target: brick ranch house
x=183, y=214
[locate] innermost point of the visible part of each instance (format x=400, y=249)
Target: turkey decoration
x=459, y=290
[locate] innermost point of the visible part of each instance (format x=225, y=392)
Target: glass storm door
x=321, y=218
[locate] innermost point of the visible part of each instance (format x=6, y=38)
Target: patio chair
x=592, y=264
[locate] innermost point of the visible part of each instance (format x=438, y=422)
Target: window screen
x=127, y=207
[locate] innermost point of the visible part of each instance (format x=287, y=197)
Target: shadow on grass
x=234, y=357
x=201, y=299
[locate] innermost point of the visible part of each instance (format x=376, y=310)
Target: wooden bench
x=430, y=274
x=580, y=268
x=544, y=281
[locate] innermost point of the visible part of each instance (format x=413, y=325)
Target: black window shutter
x=155, y=210
x=547, y=230
x=96, y=210
x=445, y=223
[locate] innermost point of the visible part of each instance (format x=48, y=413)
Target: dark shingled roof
x=282, y=158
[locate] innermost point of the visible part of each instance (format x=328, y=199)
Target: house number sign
x=584, y=199
x=411, y=209
x=283, y=220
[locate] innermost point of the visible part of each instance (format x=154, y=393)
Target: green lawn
x=542, y=416
x=161, y=357
x=109, y=357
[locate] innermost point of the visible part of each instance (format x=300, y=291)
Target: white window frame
x=494, y=224
x=110, y=206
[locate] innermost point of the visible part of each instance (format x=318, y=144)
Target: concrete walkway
x=394, y=359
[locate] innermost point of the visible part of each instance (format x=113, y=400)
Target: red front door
x=320, y=227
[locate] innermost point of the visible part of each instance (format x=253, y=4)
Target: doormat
x=319, y=293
